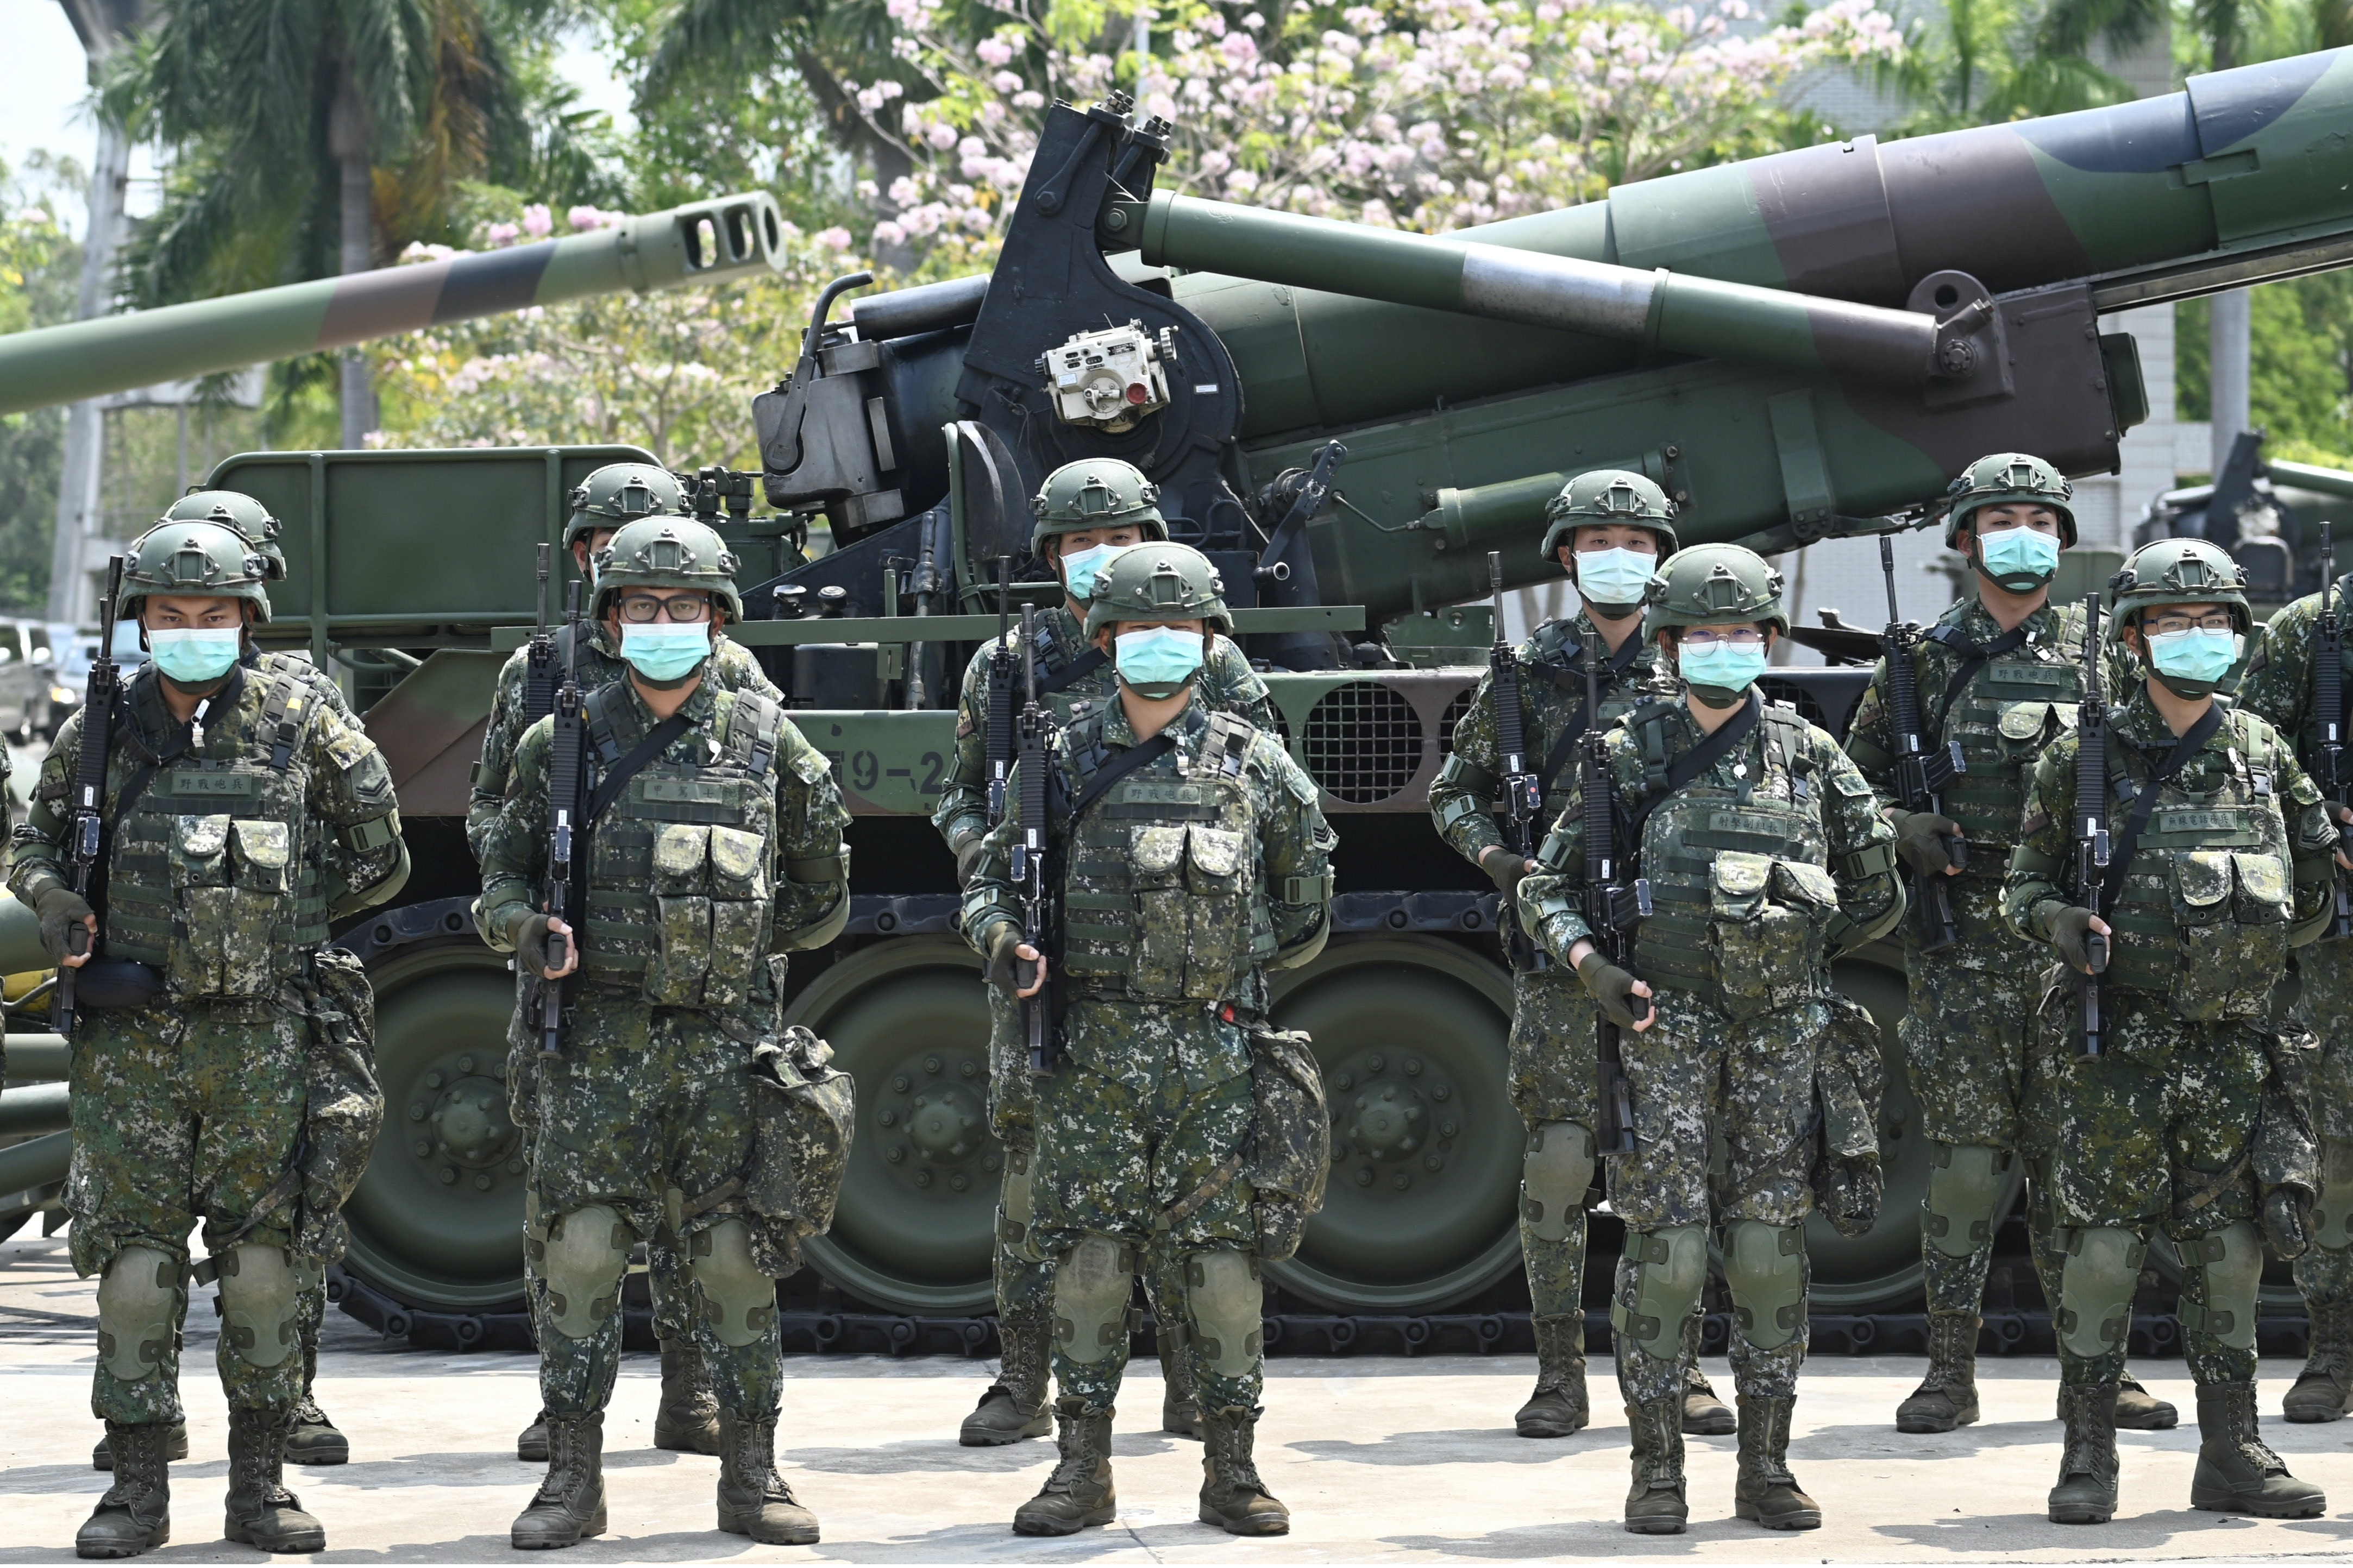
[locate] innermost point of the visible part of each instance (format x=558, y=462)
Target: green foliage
x=2300, y=370
x=1982, y=62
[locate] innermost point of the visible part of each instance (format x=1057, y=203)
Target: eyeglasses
x=644, y=608
x=2169, y=625
x=1743, y=636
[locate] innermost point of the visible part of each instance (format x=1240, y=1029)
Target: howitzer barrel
x=711, y=241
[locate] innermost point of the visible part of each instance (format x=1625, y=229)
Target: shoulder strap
x=655, y=742
x=1975, y=656
x=1071, y=674
x=1224, y=744
x=1697, y=761
x=1570, y=678
x=282, y=712
x=1099, y=783
x=2162, y=774
x=753, y=724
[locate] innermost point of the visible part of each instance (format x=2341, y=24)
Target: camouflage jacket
x=1227, y=683
x=1552, y=664
x=732, y=668
x=2278, y=682
x=811, y=878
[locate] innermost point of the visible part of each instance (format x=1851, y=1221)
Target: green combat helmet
x=2009, y=478
x=667, y=552
x=1609, y=495
x=1159, y=582
x=2181, y=571
x=620, y=493
x=236, y=509
x=1099, y=492
x=207, y=558
x=1710, y=584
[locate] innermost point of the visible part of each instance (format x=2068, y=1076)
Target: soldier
x=1767, y=858
x=1086, y=512
x=2280, y=686
x=243, y=815
x=1999, y=673
x=711, y=842
x=1610, y=530
x=2220, y=860
x=686, y=1420
x=1188, y=854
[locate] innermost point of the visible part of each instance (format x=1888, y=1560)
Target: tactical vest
x=1740, y=884
x=2208, y=898
x=1160, y=886
x=2011, y=708
x=215, y=874
x=683, y=863
x=1562, y=669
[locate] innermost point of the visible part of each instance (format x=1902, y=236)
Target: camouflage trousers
x=185, y=1113
x=649, y=1115
x=1981, y=1071
x=1114, y=1159
x=2154, y=1134
x=1554, y=1078
x=2325, y=1273
x=1701, y=1083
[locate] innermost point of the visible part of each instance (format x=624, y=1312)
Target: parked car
x=28, y=675
x=69, y=675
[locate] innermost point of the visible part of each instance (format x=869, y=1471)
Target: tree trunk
x=2230, y=344
x=79, y=514
x=347, y=136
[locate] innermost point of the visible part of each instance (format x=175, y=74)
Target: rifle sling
x=1071, y=674
x=1571, y=677
x=1099, y=783
x=1697, y=761
x=2189, y=746
x=1976, y=656
x=652, y=744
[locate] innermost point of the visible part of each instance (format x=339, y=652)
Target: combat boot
x=570, y=1504
x=2237, y=1472
x=2138, y=1410
x=1654, y=1504
x=1015, y=1405
x=176, y=1446
x=1232, y=1495
x=754, y=1500
x=531, y=1443
x=1558, y=1409
x=1180, y=1410
x=687, y=1420
x=1765, y=1491
x=2086, y=1492
x=1704, y=1415
x=2324, y=1390
x=135, y=1514
x=1078, y=1493
x=1947, y=1396
x=259, y=1511
x=315, y=1440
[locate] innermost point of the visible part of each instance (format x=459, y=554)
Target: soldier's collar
x=1185, y=727
x=700, y=704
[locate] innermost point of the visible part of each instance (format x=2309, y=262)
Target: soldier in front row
x=1188, y=856
x=1610, y=530
x=222, y=1064
x=711, y=846
x=1767, y=858
x=2188, y=1115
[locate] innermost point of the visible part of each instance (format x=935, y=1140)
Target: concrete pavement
x=1377, y=1458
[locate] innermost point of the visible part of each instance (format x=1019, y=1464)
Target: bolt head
x=959, y=1181
x=416, y=1110
x=1447, y=1130
x=514, y=1167
x=1400, y=1181
x=1364, y=1176
x=1345, y=1080
x=449, y=1176
x=424, y=1147
x=466, y=1065
x=896, y=1154
x=923, y=1178
x=1413, y=1066
x=433, y=1080
x=1378, y=1062
x=931, y=1064
x=482, y=1182
x=1441, y=1092
x=1434, y=1164
x=888, y=1118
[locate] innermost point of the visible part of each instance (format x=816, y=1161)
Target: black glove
x=532, y=940
x=2072, y=935
x=1614, y=989
x=61, y=912
x=2288, y=1221
x=1509, y=869
x=1922, y=841
x=1008, y=971
x=969, y=857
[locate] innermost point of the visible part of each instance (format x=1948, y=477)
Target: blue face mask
x=2191, y=662
x=665, y=653
x=196, y=656
x=1158, y=662
x=1721, y=672
x=1080, y=569
x=1613, y=579
x=2017, y=558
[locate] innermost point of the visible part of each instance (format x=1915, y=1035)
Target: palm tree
x=1982, y=62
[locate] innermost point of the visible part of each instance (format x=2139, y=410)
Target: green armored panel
x=1374, y=741
x=887, y=764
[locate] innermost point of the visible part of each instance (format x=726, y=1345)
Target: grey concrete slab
x=1384, y=1459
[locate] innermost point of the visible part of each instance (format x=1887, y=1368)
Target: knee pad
x=2231, y=1261
x=739, y=1302
x=1765, y=1269
x=1965, y=1182
x=1554, y=1175
x=1227, y=1304
x=1093, y=1284
x=587, y=1253
x=1014, y=1208
x=2095, y=1289
x=261, y=1302
x=138, y=1303
x=2332, y=1216
x=1670, y=1271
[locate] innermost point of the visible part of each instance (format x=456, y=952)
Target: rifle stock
x=86, y=825
x=1921, y=776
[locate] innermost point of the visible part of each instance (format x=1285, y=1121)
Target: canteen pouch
x=1191, y=883
x=1767, y=922
x=346, y=1105
x=2230, y=913
x=1850, y=1079
x=1291, y=1141
x=232, y=877
x=711, y=889
x=804, y=1111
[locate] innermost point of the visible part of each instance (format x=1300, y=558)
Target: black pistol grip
x=2096, y=953
x=1956, y=850
x=1638, y=1008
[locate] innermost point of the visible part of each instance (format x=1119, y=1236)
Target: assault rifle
x=1523, y=791
x=2092, y=833
x=2328, y=698
x=565, y=759
x=1611, y=906
x=539, y=665
x=1029, y=856
x=1921, y=776
x=87, y=827
x=1000, y=693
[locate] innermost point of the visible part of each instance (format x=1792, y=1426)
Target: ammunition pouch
x=1849, y=1077
x=1291, y=1143
x=345, y=1104
x=804, y=1111
x=1769, y=924
x=116, y=983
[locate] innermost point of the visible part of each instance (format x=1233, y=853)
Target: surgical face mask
x=665, y=654
x=2017, y=558
x=1718, y=673
x=1613, y=579
x=2192, y=662
x=1080, y=568
x=196, y=656
x=1158, y=661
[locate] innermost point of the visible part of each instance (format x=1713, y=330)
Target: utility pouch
x=2231, y=914
x=232, y=876
x=1767, y=922
x=2285, y=1149
x=804, y=1111
x=1291, y=1143
x=1849, y=1080
x=344, y=1109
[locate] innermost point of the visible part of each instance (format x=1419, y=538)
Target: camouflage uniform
x=2278, y=686
x=1071, y=677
